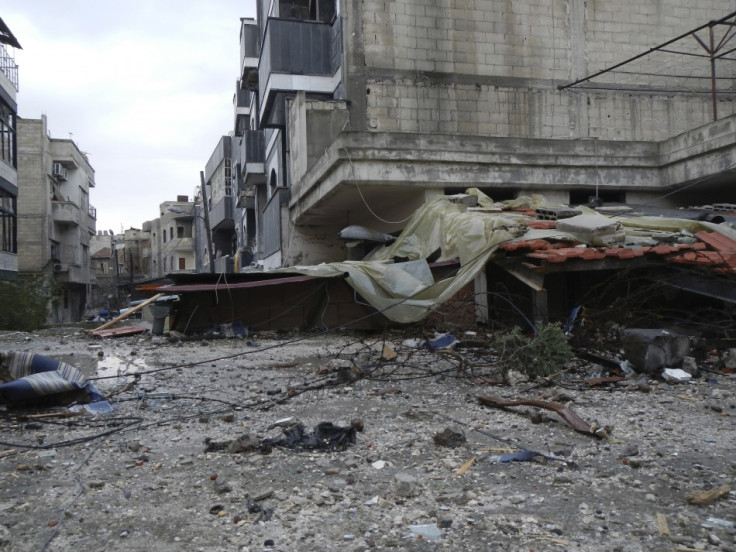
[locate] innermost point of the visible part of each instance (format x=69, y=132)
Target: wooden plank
x=128, y=313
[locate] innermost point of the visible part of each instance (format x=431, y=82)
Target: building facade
x=172, y=238
x=358, y=111
x=55, y=217
x=8, y=154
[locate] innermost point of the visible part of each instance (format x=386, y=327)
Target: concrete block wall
x=492, y=68
x=34, y=204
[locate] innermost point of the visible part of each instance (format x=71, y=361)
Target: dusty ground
x=139, y=478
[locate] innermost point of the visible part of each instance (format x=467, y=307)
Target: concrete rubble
x=426, y=471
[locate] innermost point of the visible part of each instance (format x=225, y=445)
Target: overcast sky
x=144, y=87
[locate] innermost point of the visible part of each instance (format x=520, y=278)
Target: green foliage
x=540, y=355
x=24, y=302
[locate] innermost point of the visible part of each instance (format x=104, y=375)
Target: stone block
x=650, y=350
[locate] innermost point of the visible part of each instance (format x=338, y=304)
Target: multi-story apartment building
x=172, y=238
x=55, y=217
x=103, y=276
x=363, y=110
x=8, y=154
x=220, y=202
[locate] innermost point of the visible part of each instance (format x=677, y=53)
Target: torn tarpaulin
x=29, y=376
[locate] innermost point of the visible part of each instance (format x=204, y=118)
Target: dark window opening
x=8, y=223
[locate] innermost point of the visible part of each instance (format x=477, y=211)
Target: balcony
x=66, y=213
x=181, y=244
x=241, y=103
x=222, y=214
x=297, y=55
x=249, y=54
x=253, y=156
x=9, y=67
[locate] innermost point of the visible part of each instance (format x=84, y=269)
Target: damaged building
x=356, y=113
x=351, y=117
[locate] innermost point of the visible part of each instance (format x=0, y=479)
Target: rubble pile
x=399, y=441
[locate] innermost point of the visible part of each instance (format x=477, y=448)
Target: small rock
x=263, y=495
x=406, y=485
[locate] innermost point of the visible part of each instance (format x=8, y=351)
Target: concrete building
x=103, y=275
x=8, y=154
x=219, y=181
x=55, y=217
x=357, y=112
x=172, y=238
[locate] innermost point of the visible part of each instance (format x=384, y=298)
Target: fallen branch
x=575, y=421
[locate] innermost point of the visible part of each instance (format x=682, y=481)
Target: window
x=179, y=231
x=7, y=134
x=171, y=232
x=8, y=223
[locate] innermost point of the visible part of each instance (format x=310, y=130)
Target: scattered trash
x=442, y=341
x=719, y=522
x=430, y=532
x=704, y=498
x=379, y=464
x=675, y=375
x=326, y=436
x=449, y=438
x=520, y=456
x=231, y=329
x=95, y=408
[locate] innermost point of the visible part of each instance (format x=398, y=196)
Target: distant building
x=172, y=238
x=55, y=217
x=8, y=154
x=103, y=272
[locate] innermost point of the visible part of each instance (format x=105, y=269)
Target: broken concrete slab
x=650, y=350
x=593, y=229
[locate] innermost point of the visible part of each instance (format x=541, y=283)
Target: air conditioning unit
x=59, y=171
x=58, y=267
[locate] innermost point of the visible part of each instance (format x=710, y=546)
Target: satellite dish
x=111, y=232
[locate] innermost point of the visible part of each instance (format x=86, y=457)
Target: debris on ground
x=433, y=467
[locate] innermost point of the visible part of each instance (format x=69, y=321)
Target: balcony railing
x=8, y=66
x=294, y=48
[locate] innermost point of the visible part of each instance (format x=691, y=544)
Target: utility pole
x=207, y=228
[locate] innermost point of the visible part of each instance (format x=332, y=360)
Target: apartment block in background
x=55, y=217
x=172, y=237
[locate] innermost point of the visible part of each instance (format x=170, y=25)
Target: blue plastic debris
x=444, y=341
x=519, y=456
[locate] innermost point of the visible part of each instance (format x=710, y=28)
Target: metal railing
x=8, y=66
